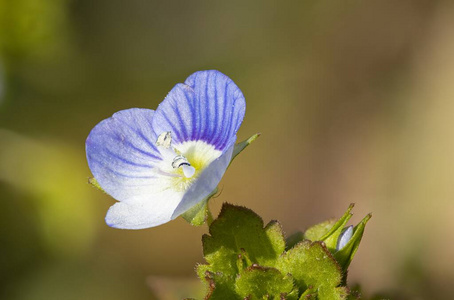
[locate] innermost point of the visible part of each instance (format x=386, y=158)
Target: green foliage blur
x=354, y=100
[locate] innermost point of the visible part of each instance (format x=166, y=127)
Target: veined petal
x=206, y=183
x=157, y=179
x=209, y=107
x=158, y=210
x=122, y=155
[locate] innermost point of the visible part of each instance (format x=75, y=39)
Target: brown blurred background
x=354, y=100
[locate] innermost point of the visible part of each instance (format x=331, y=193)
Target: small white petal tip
x=344, y=238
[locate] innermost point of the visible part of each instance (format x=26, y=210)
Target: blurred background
x=354, y=100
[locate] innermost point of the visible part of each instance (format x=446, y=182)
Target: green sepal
x=200, y=213
x=313, y=266
x=242, y=145
x=94, y=183
x=329, y=231
x=258, y=282
x=345, y=255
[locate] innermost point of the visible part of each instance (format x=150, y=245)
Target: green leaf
x=246, y=260
x=355, y=293
x=329, y=293
x=345, y=255
x=294, y=239
x=242, y=145
x=257, y=282
x=238, y=231
x=293, y=295
x=219, y=286
x=309, y=294
x=200, y=213
x=313, y=266
x=237, y=240
x=317, y=232
x=223, y=260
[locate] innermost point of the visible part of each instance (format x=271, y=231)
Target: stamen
x=164, y=140
x=179, y=161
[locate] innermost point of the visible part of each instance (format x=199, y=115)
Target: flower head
x=158, y=164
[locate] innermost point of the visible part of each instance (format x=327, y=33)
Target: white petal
x=158, y=210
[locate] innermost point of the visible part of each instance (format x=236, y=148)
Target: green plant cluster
x=247, y=260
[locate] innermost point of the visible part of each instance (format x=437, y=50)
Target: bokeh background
x=354, y=100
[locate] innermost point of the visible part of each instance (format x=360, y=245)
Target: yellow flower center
x=199, y=155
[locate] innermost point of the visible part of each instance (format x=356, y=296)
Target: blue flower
x=158, y=164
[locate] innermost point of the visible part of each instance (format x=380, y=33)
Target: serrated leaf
x=224, y=260
x=275, y=234
x=238, y=244
x=200, y=213
x=238, y=231
x=220, y=287
x=355, y=292
x=258, y=282
x=238, y=240
x=312, y=265
x=293, y=239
